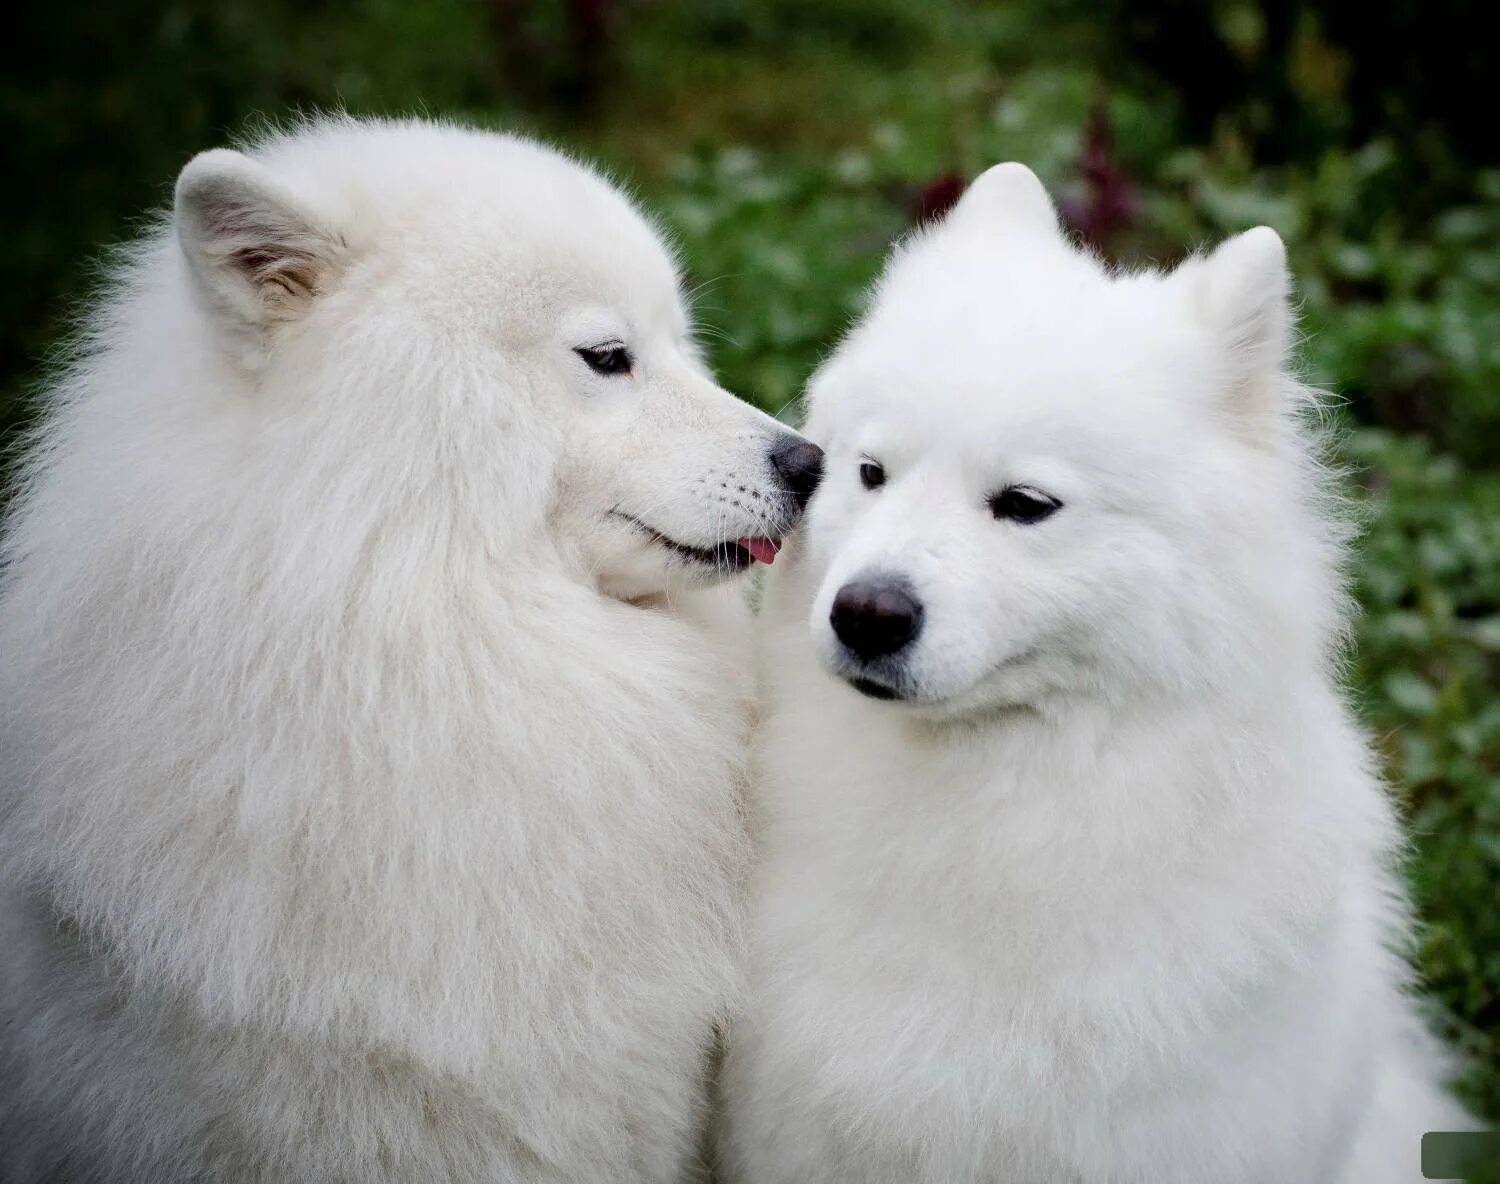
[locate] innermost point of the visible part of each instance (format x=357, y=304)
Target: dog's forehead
x=998, y=362
x=472, y=211
x=557, y=227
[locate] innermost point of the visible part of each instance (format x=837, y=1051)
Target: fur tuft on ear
x=1243, y=288
x=258, y=250
x=1009, y=195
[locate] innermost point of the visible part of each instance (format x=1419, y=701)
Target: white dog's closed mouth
x=874, y=690
x=734, y=555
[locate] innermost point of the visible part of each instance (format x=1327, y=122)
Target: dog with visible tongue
x=762, y=549
x=373, y=692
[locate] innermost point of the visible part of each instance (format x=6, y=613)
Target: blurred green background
x=787, y=142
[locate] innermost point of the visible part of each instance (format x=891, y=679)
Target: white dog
x=1076, y=867
x=371, y=768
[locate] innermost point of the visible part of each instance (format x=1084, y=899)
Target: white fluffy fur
x=370, y=787
x=1110, y=898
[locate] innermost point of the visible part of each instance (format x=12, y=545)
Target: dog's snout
x=874, y=618
x=799, y=465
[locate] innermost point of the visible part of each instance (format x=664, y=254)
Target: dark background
x=786, y=142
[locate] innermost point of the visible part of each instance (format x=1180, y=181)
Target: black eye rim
x=1024, y=505
x=871, y=472
x=610, y=359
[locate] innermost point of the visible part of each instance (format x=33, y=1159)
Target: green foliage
x=787, y=143
x=1401, y=308
x=1429, y=676
x=732, y=212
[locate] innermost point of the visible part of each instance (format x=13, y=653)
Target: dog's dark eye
x=609, y=359
x=871, y=475
x=1020, y=503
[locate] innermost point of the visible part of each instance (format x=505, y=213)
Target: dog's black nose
x=799, y=464
x=874, y=618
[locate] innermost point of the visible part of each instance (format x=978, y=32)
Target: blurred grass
x=786, y=143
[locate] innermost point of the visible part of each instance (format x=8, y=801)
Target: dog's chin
x=645, y=573
x=871, y=689
x=921, y=702
x=1003, y=687
x=683, y=564
x=883, y=686
x=652, y=581
x=1019, y=682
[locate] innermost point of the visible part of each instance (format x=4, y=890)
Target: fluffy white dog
x=1076, y=867
x=370, y=763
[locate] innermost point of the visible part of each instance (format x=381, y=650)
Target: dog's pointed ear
x=260, y=251
x=1008, y=196
x=1243, y=290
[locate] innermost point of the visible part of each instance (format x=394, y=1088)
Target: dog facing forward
x=1076, y=867
x=371, y=705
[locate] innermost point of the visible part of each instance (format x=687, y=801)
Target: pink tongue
x=762, y=549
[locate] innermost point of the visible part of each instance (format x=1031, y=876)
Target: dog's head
x=1043, y=477
x=509, y=325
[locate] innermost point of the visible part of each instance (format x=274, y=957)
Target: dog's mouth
x=886, y=692
x=730, y=555
x=874, y=690
x=891, y=683
x=883, y=679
